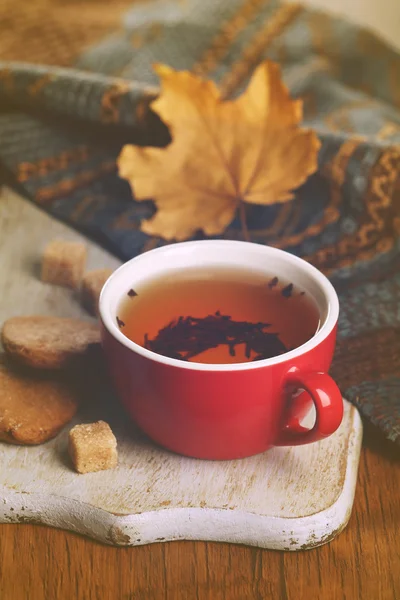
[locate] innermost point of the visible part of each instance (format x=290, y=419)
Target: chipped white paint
x=287, y=498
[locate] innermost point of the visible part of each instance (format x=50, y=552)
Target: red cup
x=225, y=411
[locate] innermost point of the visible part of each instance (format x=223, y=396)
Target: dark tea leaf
x=235, y=314
x=287, y=291
x=273, y=283
x=186, y=337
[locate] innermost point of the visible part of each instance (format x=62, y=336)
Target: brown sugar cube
x=64, y=263
x=92, y=284
x=92, y=447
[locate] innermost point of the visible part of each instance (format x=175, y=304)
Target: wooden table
x=39, y=563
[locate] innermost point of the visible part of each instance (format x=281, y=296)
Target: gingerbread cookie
x=33, y=409
x=47, y=342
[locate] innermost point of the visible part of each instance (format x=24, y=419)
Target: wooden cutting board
x=286, y=499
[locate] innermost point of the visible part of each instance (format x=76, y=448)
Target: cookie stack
x=43, y=354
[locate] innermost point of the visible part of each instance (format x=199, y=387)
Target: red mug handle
x=327, y=399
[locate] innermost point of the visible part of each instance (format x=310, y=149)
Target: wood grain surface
x=39, y=563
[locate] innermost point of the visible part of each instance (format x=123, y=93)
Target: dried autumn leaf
x=223, y=152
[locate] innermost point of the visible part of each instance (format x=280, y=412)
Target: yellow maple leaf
x=223, y=152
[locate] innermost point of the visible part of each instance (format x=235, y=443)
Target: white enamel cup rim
x=121, y=280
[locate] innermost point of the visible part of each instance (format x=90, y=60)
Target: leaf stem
x=243, y=221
